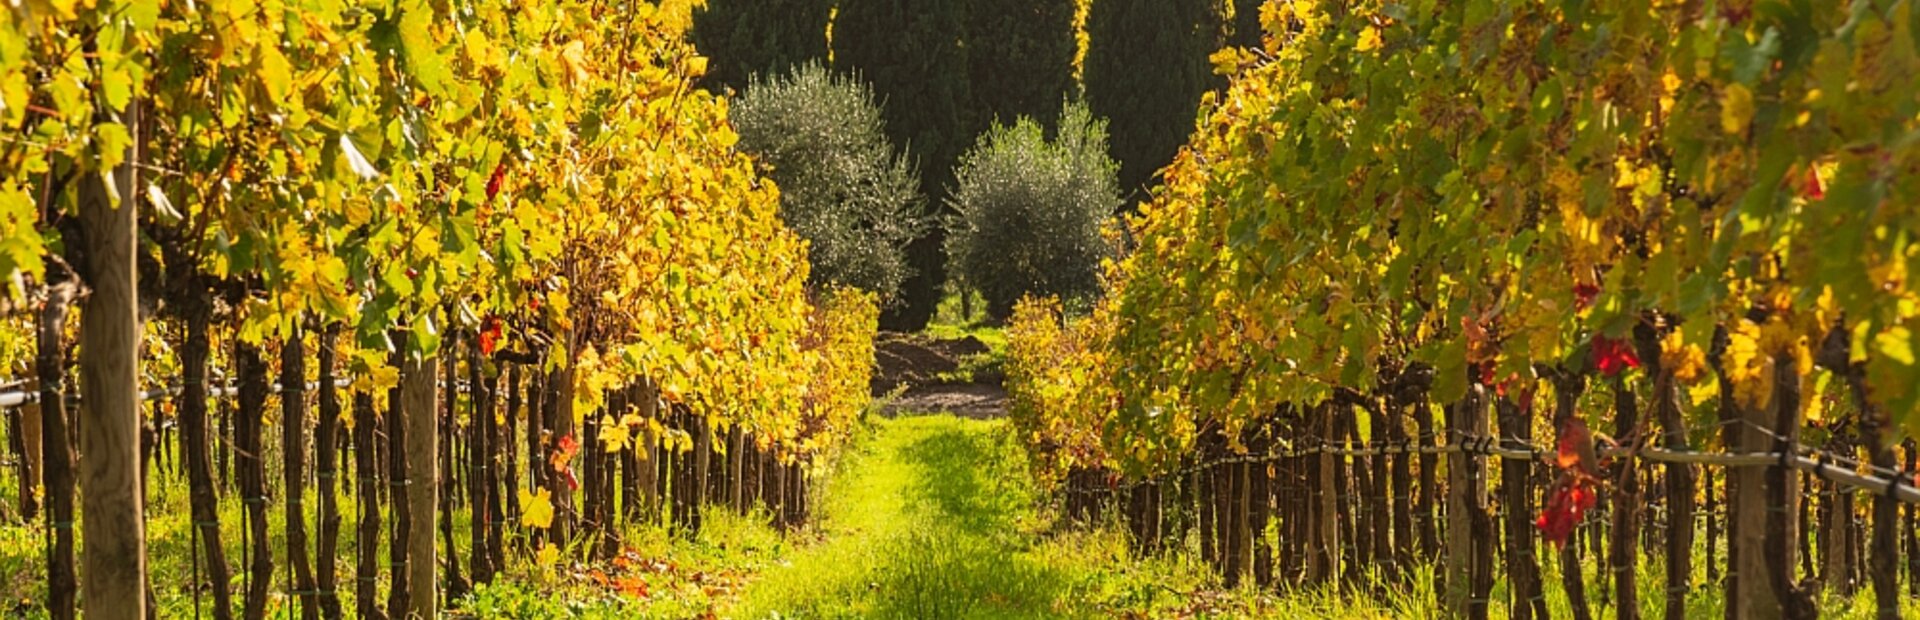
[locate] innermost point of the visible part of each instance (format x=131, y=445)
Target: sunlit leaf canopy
x=406, y=168
x=1490, y=189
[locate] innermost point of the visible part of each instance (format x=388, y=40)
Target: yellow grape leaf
x=1896, y=344
x=1369, y=40
x=548, y=556
x=613, y=435
x=1687, y=362
x=574, y=58
x=1736, y=108
x=1748, y=367
x=536, y=509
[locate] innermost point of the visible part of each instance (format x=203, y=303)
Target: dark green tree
x=1146, y=68
x=1020, y=58
x=911, y=52
x=1245, y=30
x=743, y=38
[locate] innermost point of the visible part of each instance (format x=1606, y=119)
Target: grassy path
x=930, y=518
x=933, y=517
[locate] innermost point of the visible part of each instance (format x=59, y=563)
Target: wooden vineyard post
x=558, y=393
x=418, y=388
x=1516, y=486
x=1325, y=550
x=649, y=453
x=1469, y=529
x=1203, y=503
x=1783, y=488
x=1750, y=592
x=1260, y=500
x=114, y=549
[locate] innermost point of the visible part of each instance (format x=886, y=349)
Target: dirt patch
x=967, y=400
x=926, y=367
x=915, y=360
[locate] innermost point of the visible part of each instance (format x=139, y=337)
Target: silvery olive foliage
x=843, y=187
x=1030, y=211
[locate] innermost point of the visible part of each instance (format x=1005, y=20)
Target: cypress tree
x=1020, y=57
x=744, y=38
x=911, y=52
x=1146, y=68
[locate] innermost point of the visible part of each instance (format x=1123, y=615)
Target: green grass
x=951, y=322
x=935, y=517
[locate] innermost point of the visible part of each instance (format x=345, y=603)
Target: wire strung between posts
x=1892, y=486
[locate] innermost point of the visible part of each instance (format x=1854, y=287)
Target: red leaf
x=493, y=182
x=1570, y=502
x=1584, y=294
x=1574, y=449
x=1612, y=356
x=1814, y=190
x=490, y=332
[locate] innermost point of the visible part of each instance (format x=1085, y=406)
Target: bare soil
x=917, y=362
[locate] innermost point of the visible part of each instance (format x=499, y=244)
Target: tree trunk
x=115, y=546
x=326, y=451
x=499, y=490
x=57, y=450
x=400, y=484
x=510, y=457
x=1883, y=552
x=1913, y=526
x=1626, y=512
x=367, y=537
x=480, y=459
x=559, y=395
x=293, y=439
x=702, y=467
x=1380, y=516
x=419, y=384
x=446, y=484
x=26, y=433
x=1567, y=389
x=248, y=450
x=202, y=503
x=1429, y=483
x=1680, y=490
x=1400, y=565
